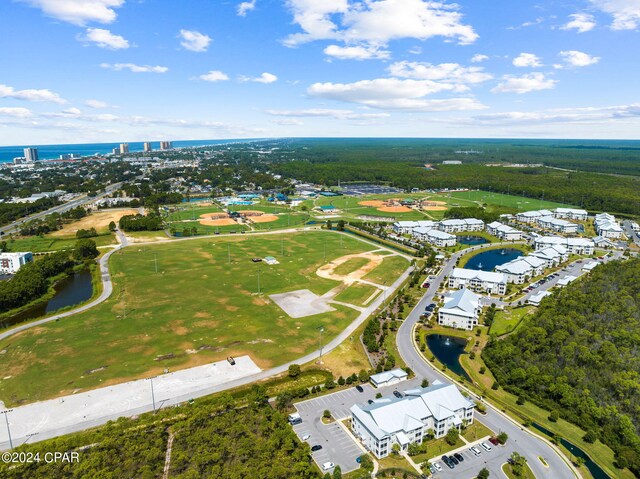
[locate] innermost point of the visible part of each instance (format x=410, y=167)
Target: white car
x=437, y=467
x=328, y=465
x=475, y=450
x=485, y=446
x=306, y=437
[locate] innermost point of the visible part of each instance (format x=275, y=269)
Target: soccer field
x=520, y=203
x=207, y=300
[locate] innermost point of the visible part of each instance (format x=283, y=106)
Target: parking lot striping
x=462, y=449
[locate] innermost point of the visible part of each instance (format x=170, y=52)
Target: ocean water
x=50, y=152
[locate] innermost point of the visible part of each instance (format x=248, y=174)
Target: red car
x=494, y=441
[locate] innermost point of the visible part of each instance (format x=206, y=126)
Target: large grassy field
x=40, y=244
x=497, y=199
x=196, y=309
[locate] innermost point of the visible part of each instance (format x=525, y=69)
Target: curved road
x=521, y=440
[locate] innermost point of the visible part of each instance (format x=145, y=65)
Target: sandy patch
x=434, y=203
x=264, y=218
x=251, y=213
x=220, y=222
x=374, y=203
x=214, y=216
x=435, y=208
x=99, y=220
x=327, y=271
x=395, y=209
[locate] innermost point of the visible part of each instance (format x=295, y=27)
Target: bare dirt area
x=395, y=209
x=99, y=220
x=434, y=208
x=374, y=203
x=328, y=270
x=251, y=213
x=264, y=218
x=219, y=222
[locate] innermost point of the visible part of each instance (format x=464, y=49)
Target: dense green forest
x=580, y=357
x=212, y=440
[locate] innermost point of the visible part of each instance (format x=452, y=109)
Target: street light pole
x=6, y=418
x=153, y=397
x=321, y=330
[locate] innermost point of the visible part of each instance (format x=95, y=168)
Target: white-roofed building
x=10, y=263
x=440, y=238
x=516, y=271
x=421, y=233
x=504, y=232
x=573, y=245
x=566, y=280
x=570, y=214
x=588, y=267
x=407, y=227
x=529, y=217
x=535, y=299
x=387, y=378
x=461, y=310
x=403, y=421
x=607, y=226
x=602, y=242
x=493, y=283
x=460, y=226
x=551, y=255
x=556, y=224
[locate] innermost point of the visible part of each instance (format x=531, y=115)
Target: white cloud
x=576, y=58
x=527, y=83
x=78, y=12
x=326, y=112
x=194, y=41
x=450, y=72
x=245, y=7
x=15, y=112
x=375, y=23
x=531, y=23
x=416, y=51
x=214, y=76
x=581, y=22
x=479, y=58
x=527, y=60
x=625, y=13
x=266, y=77
x=289, y=122
x=104, y=39
x=394, y=93
x=359, y=52
x=30, y=94
x=564, y=115
x=134, y=68
x=96, y=104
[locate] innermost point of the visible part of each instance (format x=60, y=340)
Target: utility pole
x=153, y=397
x=258, y=279
x=321, y=330
x=229, y=251
x=155, y=260
x=6, y=418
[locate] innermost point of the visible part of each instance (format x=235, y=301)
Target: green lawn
x=191, y=211
x=40, y=244
x=206, y=229
x=436, y=447
x=357, y=294
x=351, y=265
x=499, y=199
x=198, y=308
x=508, y=471
x=509, y=319
x=477, y=430
x=388, y=271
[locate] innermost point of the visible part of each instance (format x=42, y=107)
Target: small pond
x=488, y=260
x=447, y=349
x=472, y=240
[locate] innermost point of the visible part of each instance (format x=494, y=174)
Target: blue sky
x=76, y=71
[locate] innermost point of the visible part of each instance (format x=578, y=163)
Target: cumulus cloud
x=358, y=52
x=30, y=94
x=327, y=112
x=576, y=58
x=245, y=7
x=524, y=84
x=78, y=12
x=266, y=77
x=104, y=39
x=97, y=104
x=449, y=72
x=214, y=76
x=395, y=93
x=581, y=22
x=479, y=58
x=15, y=112
x=194, y=41
x=527, y=60
x=593, y=115
x=374, y=24
x=625, y=13
x=134, y=68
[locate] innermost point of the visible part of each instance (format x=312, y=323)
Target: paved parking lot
x=472, y=464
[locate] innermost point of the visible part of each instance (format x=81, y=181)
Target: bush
x=452, y=436
x=341, y=381
x=330, y=384
x=495, y=386
x=590, y=437
x=502, y=437
x=554, y=416
x=294, y=371
x=85, y=249
x=520, y=401
x=326, y=414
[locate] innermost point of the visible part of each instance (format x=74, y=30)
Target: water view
x=448, y=349
x=488, y=260
x=472, y=240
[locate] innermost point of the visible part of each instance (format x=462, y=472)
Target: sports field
x=498, y=199
x=197, y=308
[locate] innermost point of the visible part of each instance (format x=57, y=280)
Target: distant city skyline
x=125, y=71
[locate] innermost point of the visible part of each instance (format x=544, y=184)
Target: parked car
x=370, y=401
x=306, y=436
x=437, y=467
x=454, y=460
x=231, y=361
x=447, y=462
x=475, y=450
x=494, y=441
x=485, y=446
x=425, y=285
x=315, y=448
x=359, y=389
x=328, y=465
x=397, y=394
x=459, y=456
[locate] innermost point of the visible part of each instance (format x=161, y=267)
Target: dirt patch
x=251, y=213
x=435, y=208
x=202, y=314
x=219, y=222
x=180, y=330
x=395, y=209
x=374, y=203
x=264, y=218
x=165, y=357
x=434, y=203
x=260, y=301
x=231, y=308
x=214, y=216
x=99, y=220
x=327, y=271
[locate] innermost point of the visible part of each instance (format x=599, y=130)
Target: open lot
x=197, y=308
x=98, y=219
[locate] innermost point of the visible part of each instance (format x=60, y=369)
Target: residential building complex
x=556, y=224
x=570, y=214
x=573, y=245
x=460, y=226
x=440, y=238
x=31, y=155
x=531, y=217
x=504, y=232
x=124, y=148
x=461, y=310
x=10, y=263
x=519, y=270
x=390, y=420
x=607, y=226
x=493, y=283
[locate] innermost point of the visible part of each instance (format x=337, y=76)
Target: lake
x=488, y=260
x=447, y=349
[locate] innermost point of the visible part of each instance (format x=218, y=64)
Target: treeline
x=10, y=212
x=52, y=222
x=150, y=222
x=214, y=440
x=486, y=215
x=579, y=357
x=32, y=280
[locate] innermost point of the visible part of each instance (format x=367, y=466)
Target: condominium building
x=556, y=224
x=440, y=238
x=573, y=245
x=461, y=225
x=461, y=310
x=147, y=147
x=10, y=263
x=486, y=281
x=31, y=155
x=607, y=226
x=403, y=421
x=166, y=145
x=124, y=148
x=531, y=217
x=504, y=232
x=570, y=214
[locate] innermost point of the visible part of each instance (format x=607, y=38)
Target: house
x=403, y=421
x=570, y=214
x=388, y=378
x=493, y=283
x=504, y=232
x=555, y=224
x=461, y=310
x=536, y=299
x=10, y=263
x=440, y=238
x=573, y=245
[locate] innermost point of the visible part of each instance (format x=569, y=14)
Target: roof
x=517, y=266
x=440, y=235
x=536, y=298
x=385, y=376
x=487, y=276
x=494, y=224
x=463, y=301
x=573, y=211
